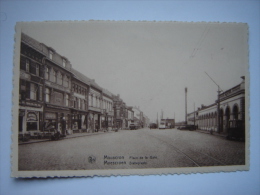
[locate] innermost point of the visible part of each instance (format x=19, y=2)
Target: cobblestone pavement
x=143, y=148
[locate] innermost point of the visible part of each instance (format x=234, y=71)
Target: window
x=27, y=65
x=76, y=88
x=54, y=76
x=47, y=73
x=89, y=100
x=79, y=90
x=33, y=89
x=83, y=104
x=66, y=100
x=37, y=69
x=59, y=78
x=64, y=63
x=50, y=54
x=75, y=102
x=79, y=103
x=47, y=94
x=66, y=81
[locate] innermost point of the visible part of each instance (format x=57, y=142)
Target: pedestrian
x=63, y=126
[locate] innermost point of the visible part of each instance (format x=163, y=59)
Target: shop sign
x=49, y=115
x=30, y=103
x=31, y=116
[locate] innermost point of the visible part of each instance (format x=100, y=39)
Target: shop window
x=47, y=94
x=32, y=121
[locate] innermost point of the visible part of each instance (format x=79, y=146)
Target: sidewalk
x=75, y=135
x=213, y=133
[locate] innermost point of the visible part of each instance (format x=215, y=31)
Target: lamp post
x=218, y=104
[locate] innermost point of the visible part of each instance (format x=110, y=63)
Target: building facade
x=79, y=102
x=107, y=118
x=31, y=86
x=95, y=106
x=232, y=106
x=54, y=95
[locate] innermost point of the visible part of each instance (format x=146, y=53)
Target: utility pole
x=157, y=119
x=194, y=115
x=218, y=104
x=186, y=105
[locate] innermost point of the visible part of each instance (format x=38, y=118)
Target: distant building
x=119, y=112
x=107, y=110
x=232, y=106
x=79, y=102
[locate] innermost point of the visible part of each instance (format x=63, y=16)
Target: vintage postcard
x=102, y=98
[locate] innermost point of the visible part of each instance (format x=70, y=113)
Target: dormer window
x=50, y=54
x=64, y=63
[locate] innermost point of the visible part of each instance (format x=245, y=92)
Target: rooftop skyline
x=149, y=64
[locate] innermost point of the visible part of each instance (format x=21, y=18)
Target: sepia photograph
x=129, y=98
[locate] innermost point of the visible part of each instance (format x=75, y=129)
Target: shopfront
x=94, y=121
x=57, y=117
x=79, y=121
x=30, y=120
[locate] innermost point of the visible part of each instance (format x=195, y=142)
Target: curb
x=46, y=140
x=215, y=134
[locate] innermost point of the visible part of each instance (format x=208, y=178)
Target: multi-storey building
x=94, y=106
x=53, y=94
x=130, y=115
x=31, y=86
x=57, y=90
x=138, y=116
x=107, y=117
x=79, y=102
x=45, y=85
x=119, y=112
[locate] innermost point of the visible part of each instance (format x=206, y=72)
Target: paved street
x=143, y=148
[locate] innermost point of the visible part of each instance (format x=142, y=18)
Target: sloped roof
x=85, y=79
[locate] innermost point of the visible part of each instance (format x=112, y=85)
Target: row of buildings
x=231, y=107
x=52, y=91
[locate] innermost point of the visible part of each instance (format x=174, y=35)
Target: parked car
x=187, y=127
x=134, y=126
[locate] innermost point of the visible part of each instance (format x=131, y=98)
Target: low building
x=232, y=106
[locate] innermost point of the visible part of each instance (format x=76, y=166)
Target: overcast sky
x=149, y=64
